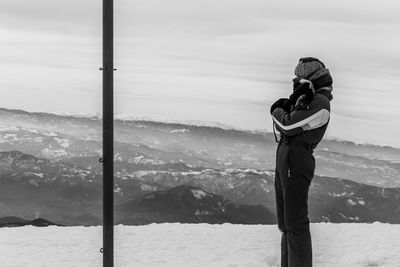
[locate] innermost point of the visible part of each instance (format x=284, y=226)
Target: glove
x=301, y=88
x=280, y=103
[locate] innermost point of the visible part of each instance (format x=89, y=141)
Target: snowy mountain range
x=49, y=168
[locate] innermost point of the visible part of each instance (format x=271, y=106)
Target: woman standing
x=302, y=120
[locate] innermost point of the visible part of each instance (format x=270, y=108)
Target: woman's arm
x=297, y=121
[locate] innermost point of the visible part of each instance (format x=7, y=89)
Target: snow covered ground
x=345, y=245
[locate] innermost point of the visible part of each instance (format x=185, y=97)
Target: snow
x=337, y=194
x=118, y=157
x=146, y=187
x=188, y=173
x=87, y=115
x=117, y=190
x=141, y=126
x=345, y=245
x=141, y=159
x=38, y=174
x=39, y=131
x=202, y=212
x=54, y=152
x=65, y=143
x=351, y=202
x=199, y=194
x=180, y=131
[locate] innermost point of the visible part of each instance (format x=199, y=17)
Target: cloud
x=210, y=60
x=178, y=16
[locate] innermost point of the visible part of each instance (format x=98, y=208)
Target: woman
x=302, y=120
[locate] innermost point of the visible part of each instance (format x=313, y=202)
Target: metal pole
x=108, y=134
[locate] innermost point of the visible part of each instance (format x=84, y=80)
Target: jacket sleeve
x=298, y=121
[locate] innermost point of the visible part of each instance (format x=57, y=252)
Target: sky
x=212, y=60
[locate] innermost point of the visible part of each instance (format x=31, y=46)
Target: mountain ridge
x=195, y=123
x=188, y=204
x=12, y=221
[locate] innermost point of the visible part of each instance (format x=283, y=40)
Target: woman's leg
x=300, y=173
x=280, y=184
x=297, y=223
x=296, y=248
x=281, y=219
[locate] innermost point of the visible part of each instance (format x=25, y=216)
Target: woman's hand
x=301, y=87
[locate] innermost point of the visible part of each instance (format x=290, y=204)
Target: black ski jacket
x=305, y=127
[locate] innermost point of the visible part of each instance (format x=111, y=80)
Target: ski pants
x=295, y=167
